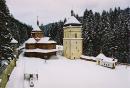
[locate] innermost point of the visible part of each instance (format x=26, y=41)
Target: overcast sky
x=54, y=10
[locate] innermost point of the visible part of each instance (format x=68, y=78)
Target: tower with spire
x=72, y=40
x=37, y=22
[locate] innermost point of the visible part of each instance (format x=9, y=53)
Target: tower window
x=75, y=35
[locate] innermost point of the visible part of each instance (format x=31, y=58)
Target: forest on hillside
x=107, y=32
x=54, y=31
x=10, y=28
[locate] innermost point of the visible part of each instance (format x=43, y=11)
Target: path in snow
x=65, y=73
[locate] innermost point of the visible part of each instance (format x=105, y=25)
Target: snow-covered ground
x=65, y=73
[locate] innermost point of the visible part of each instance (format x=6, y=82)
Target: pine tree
x=97, y=34
x=108, y=32
x=88, y=33
x=20, y=31
x=9, y=27
x=3, y=7
x=54, y=31
x=5, y=36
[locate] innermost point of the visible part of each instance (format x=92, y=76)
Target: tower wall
x=72, y=42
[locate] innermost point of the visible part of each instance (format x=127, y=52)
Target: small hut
x=14, y=43
x=14, y=46
x=102, y=60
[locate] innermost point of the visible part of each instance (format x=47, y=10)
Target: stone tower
x=72, y=40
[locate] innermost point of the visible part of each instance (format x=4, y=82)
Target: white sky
x=54, y=10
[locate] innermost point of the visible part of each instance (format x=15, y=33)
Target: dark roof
x=72, y=24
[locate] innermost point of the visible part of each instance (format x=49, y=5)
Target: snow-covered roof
x=72, y=20
x=31, y=40
x=14, y=41
x=45, y=40
x=42, y=40
x=101, y=55
x=41, y=50
x=36, y=29
x=104, y=58
x=88, y=57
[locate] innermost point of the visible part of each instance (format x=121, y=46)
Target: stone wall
x=72, y=42
x=4, y=76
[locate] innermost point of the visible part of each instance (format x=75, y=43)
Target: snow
x=27, y=70
x=101, y=55
x=42, y=40
x=59, y=47
x=21, y=46
x=41, y=50
x=45, y=40
x=71, y=20
x=88, y=57
x=31, y=40
x=14, y=41
x=104, y=58
x=5, y=62
x=65, y=73
x=0, y=80
x=36, y=29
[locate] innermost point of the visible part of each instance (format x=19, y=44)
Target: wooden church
x=39, y=46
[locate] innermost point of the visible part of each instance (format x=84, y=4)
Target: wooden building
x=40, y=46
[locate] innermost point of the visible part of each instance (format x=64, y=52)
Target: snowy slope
x=65, y=73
